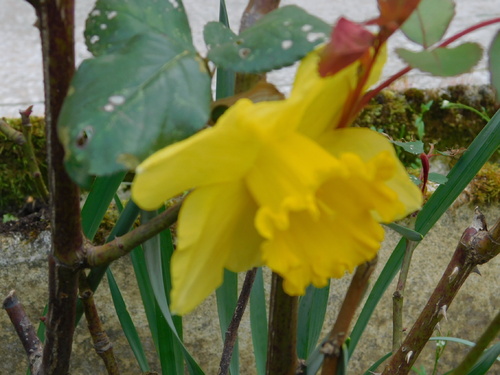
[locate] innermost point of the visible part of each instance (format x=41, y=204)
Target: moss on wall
x=15, y=181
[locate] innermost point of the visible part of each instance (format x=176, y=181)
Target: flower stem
x=232, y=330
x=398, y=297
x=282, y=336
x=477, y=246
x=332, y=347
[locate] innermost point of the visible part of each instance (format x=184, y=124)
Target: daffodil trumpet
x=279, y=184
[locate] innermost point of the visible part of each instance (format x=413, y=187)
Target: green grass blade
x=170, y=350
x=152, y=253
x=227, y=298
x=227, y=293
x=127, y=323
x=224, y=85
x=312, y=310
x=405, y=232
x=452, y=339
x=486, y=361
x=101, y=193
x=258, y=322
x=479, y=151
x=374, y=367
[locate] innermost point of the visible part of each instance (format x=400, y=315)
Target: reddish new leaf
x=393, y=13
x=349, y=42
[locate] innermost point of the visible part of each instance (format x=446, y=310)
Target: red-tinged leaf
x=349, y=42
x=393, y=13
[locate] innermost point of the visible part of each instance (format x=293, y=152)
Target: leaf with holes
x=131, y=101
x=112, y=23
x=444, y=62
x=428, y=23
x=278, y=39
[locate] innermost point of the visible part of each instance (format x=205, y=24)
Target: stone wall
x=23, y=267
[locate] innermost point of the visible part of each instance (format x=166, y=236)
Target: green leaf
x=101, y=193
x=278, y=39
x=415, y=148
x=312, y=310
x=372, y=369
x=258, y=322
x=227, y=298
x=127, y=323
x=112, y=23
x=428, y=23
x=438, y=178
x=486, y=361
x=131, y=101
x=406, y=232
x=442, y=61
x=153, y=254
x=494, y=63
x=479, y=151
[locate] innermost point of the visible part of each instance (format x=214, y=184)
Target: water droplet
x=313, y=37
x=174, y=3
x=244, y=52
x=112, y=14
x=103, y=26
x=306, y=28
x=94, y=39
x=116, y=99
x=95, y=13
x=286, y=44
x=287, y=23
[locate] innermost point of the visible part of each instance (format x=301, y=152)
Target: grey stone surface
x=23, y=267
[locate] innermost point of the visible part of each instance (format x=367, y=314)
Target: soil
x=30, y=224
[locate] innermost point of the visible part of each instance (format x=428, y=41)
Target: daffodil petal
x=215, y=226
x=314, y=250
x=373, y=148
x=323, y=98
x=216, y=155
x=285, y=177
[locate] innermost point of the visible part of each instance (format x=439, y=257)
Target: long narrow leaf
x=127, y=323
x=101, y=193
x=258, y=322
x=152, y=252
x=479, y=151
x=486, y=361
x=312, y=310
x=227, y=293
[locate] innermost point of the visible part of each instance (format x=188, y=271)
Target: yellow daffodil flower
x=276, y=184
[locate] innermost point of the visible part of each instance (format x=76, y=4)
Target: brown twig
x=332, y=347
x=25, y=331
x=477, y=246
x=398, y=297
x=102, y=344
x=282, y=336
x=120, y=246
x=232, y=330
x=56, y=23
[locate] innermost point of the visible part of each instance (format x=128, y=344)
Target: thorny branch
x=477, y=246
x=332, y=347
